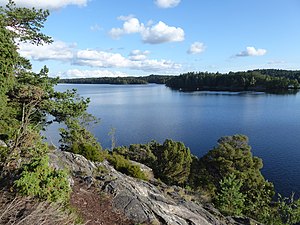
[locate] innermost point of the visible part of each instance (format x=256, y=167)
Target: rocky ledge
x=142, y=202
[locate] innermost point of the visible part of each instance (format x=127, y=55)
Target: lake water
x=143, y=113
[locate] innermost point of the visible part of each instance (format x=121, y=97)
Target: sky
x=94, y=38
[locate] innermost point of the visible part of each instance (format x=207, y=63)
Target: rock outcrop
x=141, y=201
x=3, y=144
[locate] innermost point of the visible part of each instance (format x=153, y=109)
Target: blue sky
x=95, y=38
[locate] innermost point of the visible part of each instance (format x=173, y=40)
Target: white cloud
x=47, y=4
x=133, y=25
x=138, y=55
x=76, y=73
x=251, y=51
x=167, y=3
x=152, y=34
x=116, y=33
x=104, y=59
x=69, y=53
x=130, y=26
x=151, y=65
x=196, y=48
x=58, y=50
x=161, y=33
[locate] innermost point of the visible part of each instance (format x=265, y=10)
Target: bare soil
x=95, y=207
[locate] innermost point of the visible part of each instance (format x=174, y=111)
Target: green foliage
x=199, y=178
x=139, y=152
x=23, y=94
x=289, y=210
x=170, y=161
x=69, y=105
x=156, y=79
x=173, y=161
x=233, y=155
x=238, y=81
x=78, y=139
x=229, y=199
x=3, y=154
x=26, y=23
x=125, y=166
x=39, y=180
x=88, y=150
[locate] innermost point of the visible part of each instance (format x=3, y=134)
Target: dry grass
x=17, y=210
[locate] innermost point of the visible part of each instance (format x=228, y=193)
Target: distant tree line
x=256, y=80
x=290, y=74
x=252, y=80
x=155, y=79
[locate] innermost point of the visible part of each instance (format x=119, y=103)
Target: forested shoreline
x=265, y=80
x=155, y=79
x=255, y=80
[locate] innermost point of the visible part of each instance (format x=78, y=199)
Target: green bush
x=3, y=153
x=39, y=180
x=288, y=210
x=89, y=151
x=125, y=166
x=230, y=200
x=173, y=162
x=233, y=155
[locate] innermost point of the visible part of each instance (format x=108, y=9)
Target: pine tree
x=229, y=199
x=173, y=162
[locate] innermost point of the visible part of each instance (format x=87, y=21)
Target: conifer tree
x=173, y=162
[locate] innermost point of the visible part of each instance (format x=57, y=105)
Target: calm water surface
x=142, y=113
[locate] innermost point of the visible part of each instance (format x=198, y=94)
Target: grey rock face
x=141, y=201
x=75, y=163
x=3, y=144
x=144, y=202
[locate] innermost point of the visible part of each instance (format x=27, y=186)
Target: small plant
x=229, y=199
x=101, y=170
x=39, y=180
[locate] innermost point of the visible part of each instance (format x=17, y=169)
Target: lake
x=141, y=113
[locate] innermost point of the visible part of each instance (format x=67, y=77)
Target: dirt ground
x=94, y=207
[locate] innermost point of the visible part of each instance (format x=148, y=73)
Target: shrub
x=229, y=199
x=289, y=210
x=89, y=151
x=233, y=155
x=125, y=166
x=39, y=180
x=3, y=153
x=173, y=162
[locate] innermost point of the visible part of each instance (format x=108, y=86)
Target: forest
x=256, y=80
x=267, y=80
x=151, y=79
